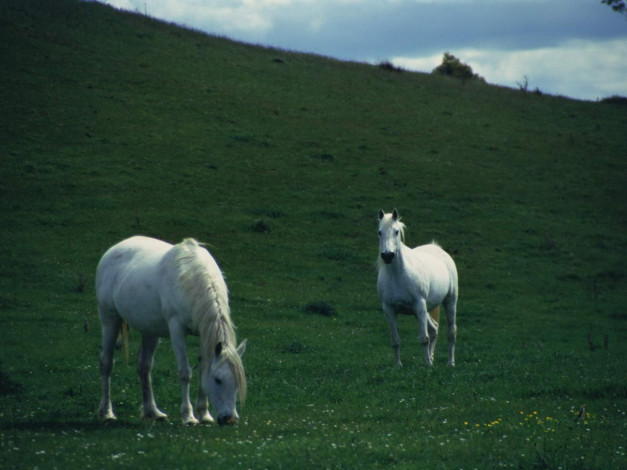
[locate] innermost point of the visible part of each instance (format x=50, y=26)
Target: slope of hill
x=114, y=124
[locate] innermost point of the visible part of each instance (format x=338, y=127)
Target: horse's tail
x=124, y=339
x=435, y=315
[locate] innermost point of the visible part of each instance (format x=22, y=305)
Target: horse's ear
x=395, y=214
x=241, y=348
x=218, y=350
x=381, y=214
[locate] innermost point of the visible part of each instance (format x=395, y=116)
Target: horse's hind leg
x=433, y=319
x=451, y=314
x=144, y=369
x=109, y=337
x=425, y=328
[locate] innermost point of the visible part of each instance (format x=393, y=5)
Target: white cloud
x=220, y=16
x=579, y=68
x=122, y=4
x=225, y=17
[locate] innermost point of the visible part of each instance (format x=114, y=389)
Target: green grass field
x=114, y=124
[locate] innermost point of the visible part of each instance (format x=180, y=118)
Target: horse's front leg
x=144, y=370
x=423, y=330
x=202, y=403
x=177, y=336
x=202, y=407
x=390, y=316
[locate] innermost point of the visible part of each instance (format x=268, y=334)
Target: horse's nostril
x=387, y=257
x=227, y=420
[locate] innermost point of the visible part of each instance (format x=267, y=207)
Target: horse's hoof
x=207, y=419
x=190, y=421
x=155, y=416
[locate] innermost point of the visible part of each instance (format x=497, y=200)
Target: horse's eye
x=396, y=233
x=379, y=232
x=218, y=381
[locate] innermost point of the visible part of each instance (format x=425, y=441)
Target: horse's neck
x=402, y=256
x=398, y=267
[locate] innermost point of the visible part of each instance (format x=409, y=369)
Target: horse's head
x=391, y=231
x=223, y=380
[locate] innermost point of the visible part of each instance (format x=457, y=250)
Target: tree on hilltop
x=453, y=67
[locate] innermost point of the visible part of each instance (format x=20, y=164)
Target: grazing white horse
x=166, y=290
x=415, y=282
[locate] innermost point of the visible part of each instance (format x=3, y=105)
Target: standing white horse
x=164, y=290
x=415, y=282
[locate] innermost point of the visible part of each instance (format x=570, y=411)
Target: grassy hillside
x=114, y=124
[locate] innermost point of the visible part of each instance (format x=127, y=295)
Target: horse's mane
x=200, y=278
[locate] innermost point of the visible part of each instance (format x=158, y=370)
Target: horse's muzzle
x=387, y=257
x=227, y=420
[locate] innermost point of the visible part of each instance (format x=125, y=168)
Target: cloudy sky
x=575, y=48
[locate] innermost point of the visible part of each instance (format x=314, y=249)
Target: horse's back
x=436, y=251
x=132, y=254
x=439, y=260
x=126, y=277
